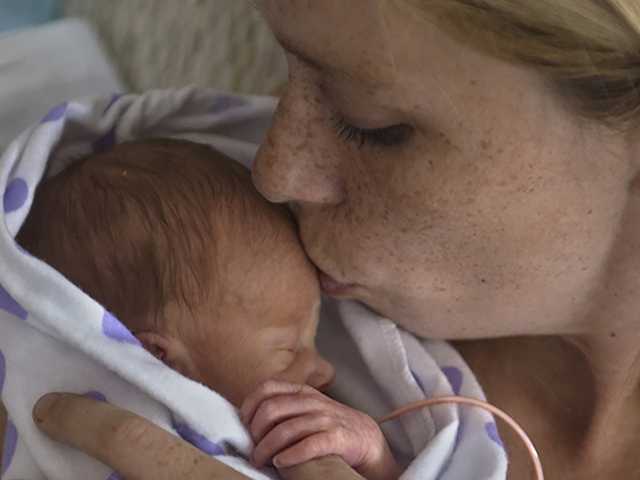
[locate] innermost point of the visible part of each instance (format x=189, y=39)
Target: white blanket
x=42, y=66
x=380, y=368
x=56, y=338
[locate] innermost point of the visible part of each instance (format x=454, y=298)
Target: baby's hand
x=292, y=424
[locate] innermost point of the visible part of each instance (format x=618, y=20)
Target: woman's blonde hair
x=589, y=49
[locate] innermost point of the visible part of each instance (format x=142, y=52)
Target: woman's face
x=449, y=191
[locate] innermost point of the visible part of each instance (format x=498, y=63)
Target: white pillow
x=44, y=66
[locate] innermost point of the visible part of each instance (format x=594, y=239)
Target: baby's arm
x=292, y=424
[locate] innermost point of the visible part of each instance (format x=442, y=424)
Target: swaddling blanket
x=54, y=337
x=380, y=368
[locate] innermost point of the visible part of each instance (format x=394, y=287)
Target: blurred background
x=56, y=50
x=165, y=43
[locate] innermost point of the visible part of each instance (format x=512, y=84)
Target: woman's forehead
x=376, y=46
x=343, y=38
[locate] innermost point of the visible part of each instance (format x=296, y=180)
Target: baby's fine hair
x=141, y=226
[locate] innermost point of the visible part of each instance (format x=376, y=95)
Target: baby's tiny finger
x=314, y=446
x=276, y=410
x=267, y=390
x=287, y=434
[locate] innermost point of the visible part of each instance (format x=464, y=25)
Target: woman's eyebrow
x=293, y=50
x=363, y=76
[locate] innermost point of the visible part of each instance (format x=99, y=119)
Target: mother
x=469, y=169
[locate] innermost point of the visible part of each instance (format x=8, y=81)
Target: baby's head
x=172, y=237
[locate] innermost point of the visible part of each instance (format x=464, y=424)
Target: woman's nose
x=296, y=162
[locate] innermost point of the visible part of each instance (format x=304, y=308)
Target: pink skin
x=482, y=210
x=292, y=424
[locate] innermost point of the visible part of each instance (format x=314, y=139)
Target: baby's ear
x=157, y=345
x=170, y=350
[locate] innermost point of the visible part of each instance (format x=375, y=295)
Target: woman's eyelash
x=384, y=137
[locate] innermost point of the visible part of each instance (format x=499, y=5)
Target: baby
x=172, y=237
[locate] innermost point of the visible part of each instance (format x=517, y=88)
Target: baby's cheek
x=277, y=365
x=250, y=375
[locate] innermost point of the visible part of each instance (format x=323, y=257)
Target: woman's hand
x=139, y=450
x=292, y=424
x=134, y=447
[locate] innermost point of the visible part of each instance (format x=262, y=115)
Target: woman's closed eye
x=390, y=136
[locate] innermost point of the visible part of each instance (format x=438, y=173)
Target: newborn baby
x=172, y=237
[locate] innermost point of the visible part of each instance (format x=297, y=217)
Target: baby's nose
x=322, y=376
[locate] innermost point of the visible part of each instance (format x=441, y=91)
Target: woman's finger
x=133, y=446
x=332, y=467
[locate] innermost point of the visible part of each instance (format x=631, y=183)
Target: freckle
x=589, y=212
x=612, y=334
x=483, y=280
x=485, y=144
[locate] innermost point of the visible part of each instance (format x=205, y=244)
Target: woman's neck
x=577, y=395
x=579, y=407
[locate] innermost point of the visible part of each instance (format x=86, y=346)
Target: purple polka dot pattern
x=454, y=375
x=197, y=440
x=15, y=195
x=3, y=371
x=222, y=103
x=115, y=330
x=114, y=476
x=492, y=430
x=56, y=113
x=8, y=304
x=100, y=397
x=107, y=141
x=10, y=444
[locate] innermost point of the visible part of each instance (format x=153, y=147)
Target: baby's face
x=261, y=323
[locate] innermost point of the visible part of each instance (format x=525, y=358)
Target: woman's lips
x=332, y=287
